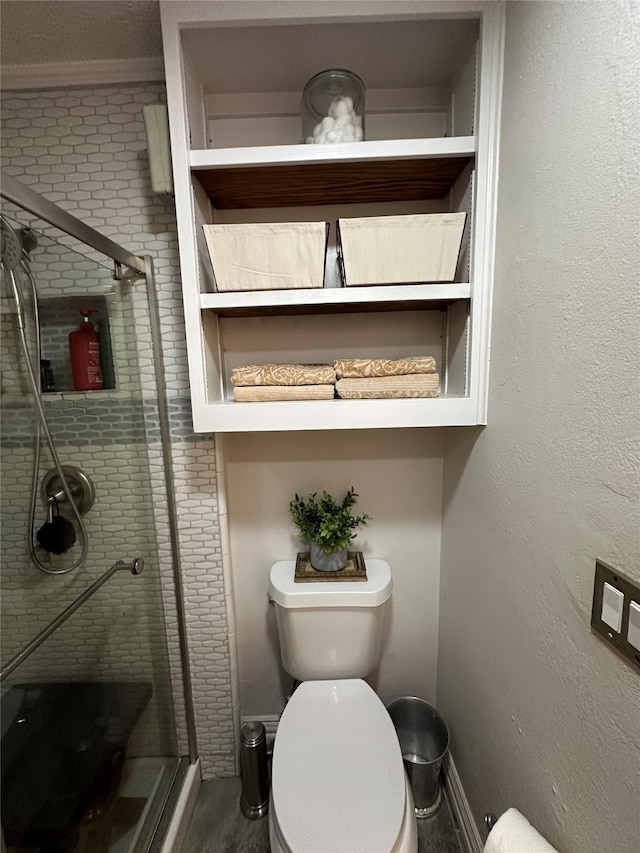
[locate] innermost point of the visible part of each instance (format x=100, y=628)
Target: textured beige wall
x=398, y=476
x=544, y=716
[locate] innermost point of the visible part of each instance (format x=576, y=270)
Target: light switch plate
x=633, y=634
x=613, y=593
x=612, y=606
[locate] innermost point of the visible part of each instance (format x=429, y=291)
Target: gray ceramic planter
x=323, y=562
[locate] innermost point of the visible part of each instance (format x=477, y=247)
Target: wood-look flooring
x=218, y=826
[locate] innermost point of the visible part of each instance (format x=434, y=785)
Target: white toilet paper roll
x=514, y=834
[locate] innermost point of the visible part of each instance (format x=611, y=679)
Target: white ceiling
x=34, y=32
x=38, y=38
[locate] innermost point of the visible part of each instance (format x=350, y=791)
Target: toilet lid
x=338, y=778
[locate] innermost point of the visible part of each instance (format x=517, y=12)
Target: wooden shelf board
x=436, y=147
x=332, y=300
x=331, y=183
x=230, y=416
x=300, y=175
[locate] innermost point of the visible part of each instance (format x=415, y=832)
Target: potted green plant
x=328, y=526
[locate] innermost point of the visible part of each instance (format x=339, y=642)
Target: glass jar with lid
x=333, y=107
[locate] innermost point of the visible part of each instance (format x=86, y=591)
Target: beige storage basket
x=409, y=249
x=267, y=255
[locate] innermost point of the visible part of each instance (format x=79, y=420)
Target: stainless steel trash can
x=424, y=741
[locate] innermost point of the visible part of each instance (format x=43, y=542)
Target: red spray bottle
x=84, y=348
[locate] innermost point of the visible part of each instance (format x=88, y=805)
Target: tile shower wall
x=85, y=149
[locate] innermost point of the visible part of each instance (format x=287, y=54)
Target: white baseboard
x=461, y=809
x=182, y=813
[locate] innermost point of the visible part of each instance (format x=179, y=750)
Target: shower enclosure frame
x=131, y=267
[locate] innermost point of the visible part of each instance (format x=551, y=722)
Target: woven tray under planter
x=355, y=570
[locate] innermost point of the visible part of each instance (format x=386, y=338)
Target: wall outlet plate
x=631, y=591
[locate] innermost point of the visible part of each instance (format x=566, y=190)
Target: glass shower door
x=90, y=745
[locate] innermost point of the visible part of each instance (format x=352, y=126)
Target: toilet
x=338, y=782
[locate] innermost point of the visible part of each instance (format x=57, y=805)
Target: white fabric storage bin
x=267, y=255
x=409, y=249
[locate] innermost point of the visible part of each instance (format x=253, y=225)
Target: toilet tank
x=330, y=629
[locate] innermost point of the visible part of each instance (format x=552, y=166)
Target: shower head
x=10, y=245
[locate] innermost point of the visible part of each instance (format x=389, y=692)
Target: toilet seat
x=338, y=780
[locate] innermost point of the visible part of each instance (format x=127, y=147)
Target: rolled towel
x=264, y=393
x=513, y=833
x=388, y=387
x=283, y=374
x=354, y=368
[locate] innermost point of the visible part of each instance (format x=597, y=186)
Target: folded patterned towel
x=355, y=368
x=388, y=387
x=283, y=374
x=257, y=393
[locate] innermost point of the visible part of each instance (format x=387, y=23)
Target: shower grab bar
x=136, y=567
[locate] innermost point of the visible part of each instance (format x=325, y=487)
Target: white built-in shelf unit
x=235, y=74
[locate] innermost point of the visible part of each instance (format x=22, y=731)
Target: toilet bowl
x=338, y=780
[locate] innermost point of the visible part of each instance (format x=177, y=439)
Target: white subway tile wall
x=85, y=149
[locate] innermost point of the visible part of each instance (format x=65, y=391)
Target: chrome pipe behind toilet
x=490, y=821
